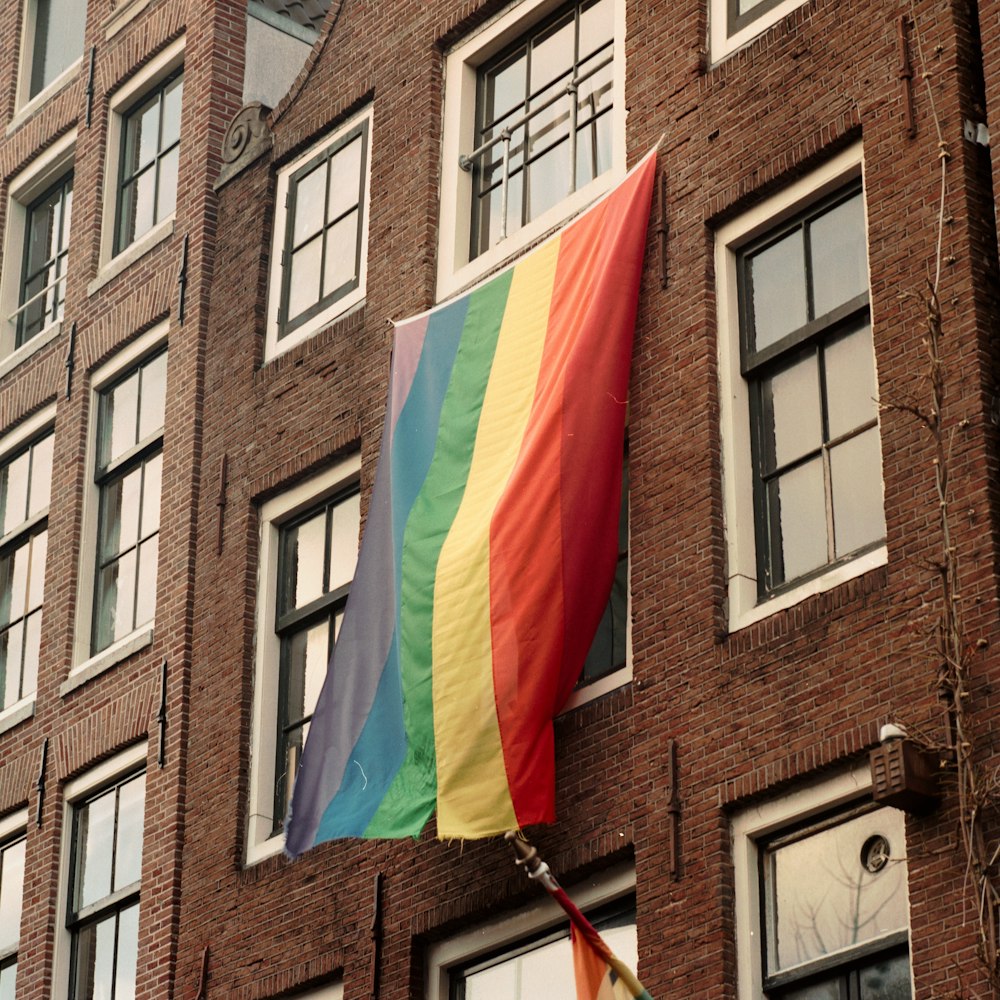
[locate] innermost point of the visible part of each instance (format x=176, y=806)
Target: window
x=128, y=473
x=43, y=275
x=806, y=472
x=534, y=129
x=12, y=846
x=544, y=109
x=736, y=22
x=527, y=955
x=25, y=479
x=37, y=237
x=150, y=154
x=53, y=42
x=106, y=873
x=821, y=895
x=320, y=236
x=309, y=548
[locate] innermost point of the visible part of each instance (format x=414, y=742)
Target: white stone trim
x=455, y=270
x=737, y=480
x=274, y=513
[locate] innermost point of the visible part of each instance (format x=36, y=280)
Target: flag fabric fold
x=489, y=548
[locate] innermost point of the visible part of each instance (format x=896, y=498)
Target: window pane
x=778, y=290
x=95, y=961
x=552, y=54
x=341, y=254
x=154, y=387
x=309, y=651
x=839, y=255
x=497, y=983
x=118, y=419
x=850, y=382
x=505, y=87
x=11, y=653
x=171, y=131
x=822, y=899
x=304, y=277
x=41, y=475
x=802, y=513
x=128, y=953
x=856, y=472
x=14, y=493
x=309, y=193
x=344, y=536
x=145, y=600
x=166, y=195
x=151, y=482
x=58, y=40
x=345, y=177
x=305, y=551
x=827, y=989
x=11, y=893
x=887, y=980
x=32, y=644
x=37, y=550
x=793, y=423
x=593, y=149
x=96, y=832
x=120, y=514
x=8, y=977
x=138, y=208
x=142, y=128
x=115, y=599
x=597, y=26
x=548, y=180
x=128, y=844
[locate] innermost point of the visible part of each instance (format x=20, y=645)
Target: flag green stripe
x=427, y=527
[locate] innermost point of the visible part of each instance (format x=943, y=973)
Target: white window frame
x=352, y=300
x=537, y=917
x=273, y=514
x=25, y=188
x=455, y=270
x=110, y=265
x=120, y=765
x=749, y=826
x=12, y=827
x=722, y=44
x=26, y=107
x=86, y=666
x=744, y=608
x=10, y=443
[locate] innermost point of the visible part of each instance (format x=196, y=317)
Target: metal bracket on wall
x=203, y=978
x=661, y=229
x=161, y=716
x=220, y=502
x=673, y=812
x=182, y=281
x=90, y=85
x=376, y=931
x=70, y=359
x=905, y=74
x=40, y=783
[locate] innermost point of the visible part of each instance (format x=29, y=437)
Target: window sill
x=597, y=689
x=61, y=81
x=261, y=850
x=744, y=614
x=341, y=309
x=106, y=659
x=17, y=713
x=160, y=232
x=25, y=351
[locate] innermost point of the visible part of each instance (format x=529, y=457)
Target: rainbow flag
x=489, y=548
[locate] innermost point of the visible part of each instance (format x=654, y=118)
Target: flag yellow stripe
x=473, y=794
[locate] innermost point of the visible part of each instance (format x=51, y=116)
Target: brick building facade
x=715, y=800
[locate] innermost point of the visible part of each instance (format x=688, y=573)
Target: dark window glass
x=322, y=255
x=129, y=467
x=104, y=906
x=58, y=40
x=24, y=505
x=560, y=139
x=150, y=151
x=43, y=276
x=317, y=553
x=808, y=357
x=11, y=894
